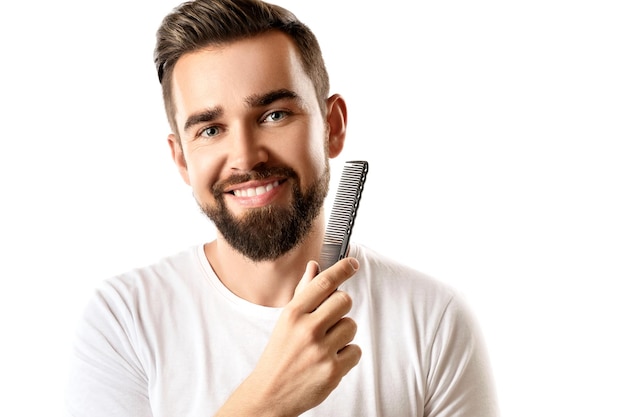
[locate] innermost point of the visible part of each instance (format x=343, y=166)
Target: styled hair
x=199, y=23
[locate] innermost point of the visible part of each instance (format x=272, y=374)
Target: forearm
x=253, y=399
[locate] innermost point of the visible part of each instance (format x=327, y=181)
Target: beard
x=266, y=233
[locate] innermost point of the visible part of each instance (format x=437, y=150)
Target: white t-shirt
x=170, y=340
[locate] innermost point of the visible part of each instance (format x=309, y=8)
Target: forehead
x=224, y=74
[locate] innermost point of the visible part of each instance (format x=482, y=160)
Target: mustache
x=252, y=175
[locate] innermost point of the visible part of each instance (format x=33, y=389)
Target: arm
x=106, y=377
x=308, y=353
x=460, y=383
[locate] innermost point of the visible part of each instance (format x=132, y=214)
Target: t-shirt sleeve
x=460, y=382
x=106, y=376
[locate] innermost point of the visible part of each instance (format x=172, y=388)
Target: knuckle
x=325, y=282
x=356, y=355
x=333, y=371
x=351, y=325
x=290, y=313
x=347, y=329
x=307, y=335
x=344, y=299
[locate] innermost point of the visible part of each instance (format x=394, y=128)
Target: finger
x=320, y=287
x=331, y=310
x=349, y=357
x=341, y=334
x=312, y=269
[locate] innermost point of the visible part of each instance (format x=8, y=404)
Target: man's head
x=201, y=23
x=246, y=95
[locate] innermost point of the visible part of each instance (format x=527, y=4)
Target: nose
x=247, y=151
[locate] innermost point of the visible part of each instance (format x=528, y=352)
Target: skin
x=233, y=115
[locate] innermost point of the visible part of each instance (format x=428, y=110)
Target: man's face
x=253, y=142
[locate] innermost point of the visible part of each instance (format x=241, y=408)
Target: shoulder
x=411, y=312
x=384, y=284
x=118, y=336
x=387, y=274
x=168, y=272
x=150, y=286
x=127, y=309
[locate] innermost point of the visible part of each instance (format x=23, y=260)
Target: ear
x=178, y=156
x=337, y=120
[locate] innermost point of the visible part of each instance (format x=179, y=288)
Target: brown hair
x=198, y=23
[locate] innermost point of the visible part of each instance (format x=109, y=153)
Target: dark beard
x=266, y=233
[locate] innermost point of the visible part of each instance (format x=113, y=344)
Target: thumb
x=312, y=269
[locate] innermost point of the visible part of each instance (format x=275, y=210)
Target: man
x=246, y=325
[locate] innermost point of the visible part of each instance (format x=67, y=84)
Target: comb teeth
x=343, y=212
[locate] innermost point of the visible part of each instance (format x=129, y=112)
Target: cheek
x=202, y=173
x=307, y=156
x=318, y=150
x=318, y=158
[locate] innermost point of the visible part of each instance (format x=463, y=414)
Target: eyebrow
x=259, y=100
x=203, y=117
x=254, y=100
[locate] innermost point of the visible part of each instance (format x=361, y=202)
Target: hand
x=308, y=353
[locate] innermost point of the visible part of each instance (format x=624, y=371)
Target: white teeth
x=251, y=192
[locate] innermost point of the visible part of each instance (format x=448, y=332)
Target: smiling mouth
x=255, y=191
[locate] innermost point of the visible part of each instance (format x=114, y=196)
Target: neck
x=268, y=283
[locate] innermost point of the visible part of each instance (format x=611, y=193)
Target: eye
x=210, y=131
x=275, y=116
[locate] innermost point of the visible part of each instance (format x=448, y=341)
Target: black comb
x=343, y=212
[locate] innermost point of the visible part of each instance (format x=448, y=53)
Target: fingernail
x=354, y=263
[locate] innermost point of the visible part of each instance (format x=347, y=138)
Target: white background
x=495, y=132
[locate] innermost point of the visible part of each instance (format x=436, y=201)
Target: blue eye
x=275, y=116
x=210, y=131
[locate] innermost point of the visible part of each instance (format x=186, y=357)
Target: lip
x=255, y=193
x=252, y=190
